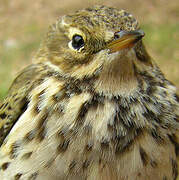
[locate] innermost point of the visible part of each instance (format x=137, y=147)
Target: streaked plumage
x=90, y=107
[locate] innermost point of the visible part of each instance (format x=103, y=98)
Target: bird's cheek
x=73, y=57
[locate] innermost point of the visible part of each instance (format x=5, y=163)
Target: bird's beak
x=125, y=39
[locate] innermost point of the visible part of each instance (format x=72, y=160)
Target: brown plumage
x=93, y=105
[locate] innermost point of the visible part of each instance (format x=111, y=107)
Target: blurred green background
x=24, y=23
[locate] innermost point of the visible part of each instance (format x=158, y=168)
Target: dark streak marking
x=41, y=127
x=3, y=115
x=81, y=114
x=17, y=176
x=85, y=107
x=16, y=99
x=123, y=114
x=89, y=146
x=42, y=133
x=104, y=143
x=9, y=108
x=149, y=115
x=153, y=163
x=62, y=147
x=43, y=119
x=14, y=149
x=176, y=98
x=157, y=137
x=173, y=139
x=1, y=106
x=25, y=105
x=5, y=166
x=86, y=163
x=59, y=96
x=120, y=146
x=100, y=161
x=62, y=132
x=5, y=105
x=143, y=155
x=29, y=136
x=33, y=176
x=22, y=106
x=164, y=178
x=150, y=89
x=72, y=165
x=49, y=163
x=14, y=95
x=1, y=132
x=65, y=133
x=123, y=144
x=36, y=109
x=174, y=168
x=27, y=155
x=97, y=99
x=72, y=87
x=39, y=98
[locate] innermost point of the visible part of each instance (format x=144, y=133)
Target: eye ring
x=77, y=42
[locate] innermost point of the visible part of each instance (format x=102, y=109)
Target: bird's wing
x=16, y=101
x=175, y=140
x=177, y=150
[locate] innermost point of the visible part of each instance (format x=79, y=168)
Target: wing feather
x=16, y=102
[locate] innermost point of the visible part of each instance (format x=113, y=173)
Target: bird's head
x=93, y=41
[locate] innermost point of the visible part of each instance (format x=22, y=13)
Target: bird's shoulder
x=16, y=100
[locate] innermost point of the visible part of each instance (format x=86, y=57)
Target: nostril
x=119, y=34
x=116, y=35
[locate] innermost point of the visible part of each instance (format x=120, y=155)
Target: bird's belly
x=77, y=144
x=80, y=158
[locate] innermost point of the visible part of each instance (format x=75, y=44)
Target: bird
x=93, y=105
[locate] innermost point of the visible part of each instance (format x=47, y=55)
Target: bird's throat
x=117, y=77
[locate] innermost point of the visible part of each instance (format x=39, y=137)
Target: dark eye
x=77, y=42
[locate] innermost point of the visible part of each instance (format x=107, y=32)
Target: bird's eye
x=77, y=42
